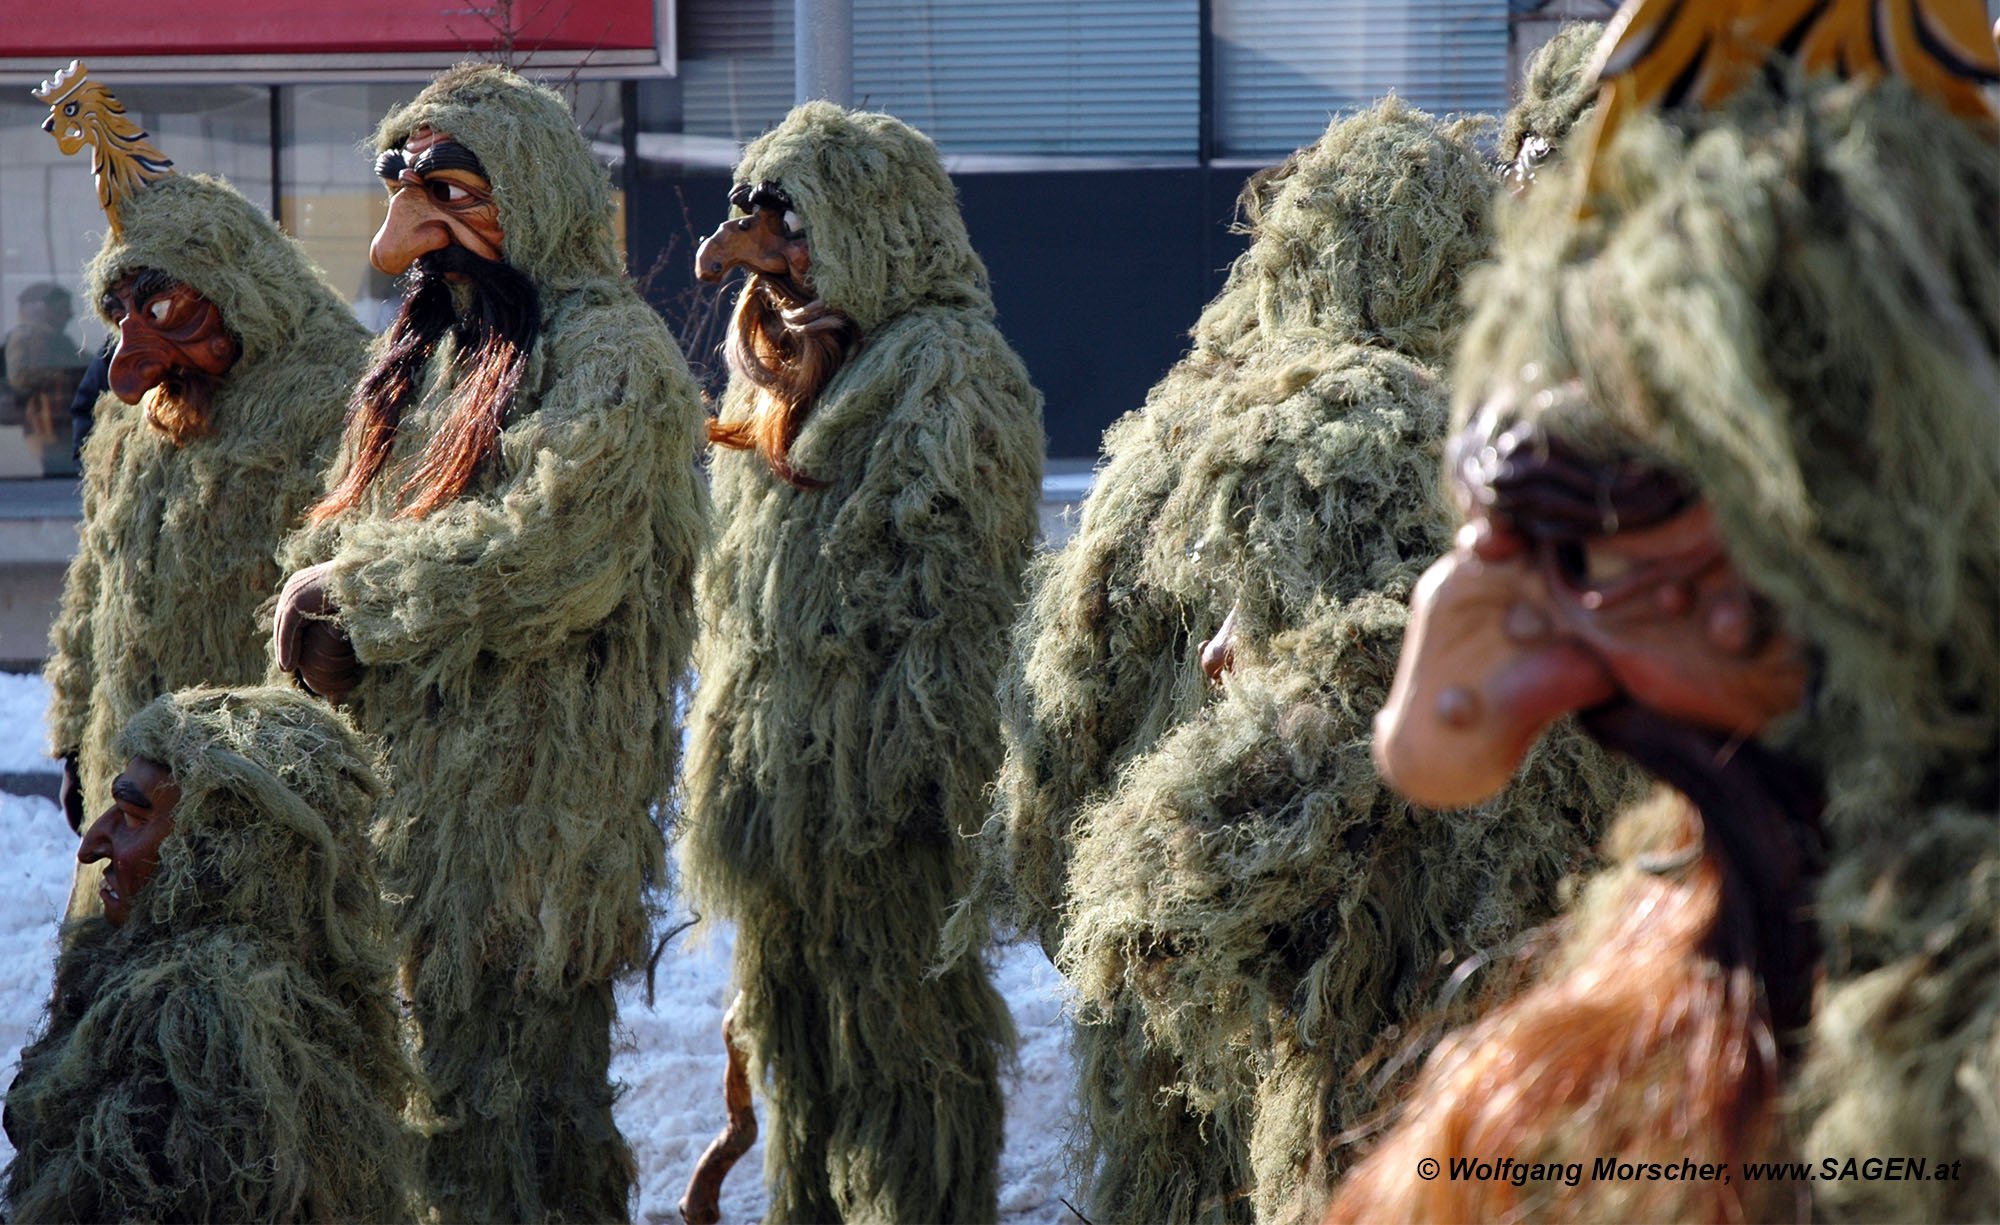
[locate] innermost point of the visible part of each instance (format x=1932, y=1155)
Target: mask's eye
x=160, y=308
x=1602, y=564
x=444, y=191
x=794, y=224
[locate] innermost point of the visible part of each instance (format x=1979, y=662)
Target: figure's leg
x=920, y=1118
x=784, y=1024
x=522, y=1085
x=1147, y=1157
x=1288, y=1145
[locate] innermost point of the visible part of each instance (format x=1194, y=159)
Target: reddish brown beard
x=1665, y=1035
x=494, y=342
x=178, y=406
x=789, y=345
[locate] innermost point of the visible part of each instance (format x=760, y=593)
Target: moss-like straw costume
x=232, y=1052
x=1244, y=907
x=524, y=651
x=1557, y=92
x=1797, y=307
x=178, y=543
x=844, y=727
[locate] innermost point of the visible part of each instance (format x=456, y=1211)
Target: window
x=1283, y=68
x=1080, y=78
x=51, y=225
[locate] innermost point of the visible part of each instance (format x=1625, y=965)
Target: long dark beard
x=178, y=406
x=494, y=342
x=790, y=345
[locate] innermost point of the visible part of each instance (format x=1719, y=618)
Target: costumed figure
x=233, y=364
x=1192, y=819
x=499, y=583
x=1729, y=486
x=1557, y=93
x=223, y=1043
x=872, y=533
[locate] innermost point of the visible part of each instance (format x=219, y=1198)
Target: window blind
x=1283, y=67
x=1103, y=78
x=1080, y=78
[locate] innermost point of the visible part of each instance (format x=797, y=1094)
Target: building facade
x=1098, y=147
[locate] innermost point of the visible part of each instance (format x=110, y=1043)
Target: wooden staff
x=701, y=1203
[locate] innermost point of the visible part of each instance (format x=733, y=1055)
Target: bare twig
x=698, y=315
x=660, y=947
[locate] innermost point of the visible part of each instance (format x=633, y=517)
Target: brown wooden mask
x=164, y=327
x=439, y=196
x=1574, y=582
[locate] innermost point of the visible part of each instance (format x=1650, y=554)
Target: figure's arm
x=928, y=553
x=551, y=551
x=70, y=671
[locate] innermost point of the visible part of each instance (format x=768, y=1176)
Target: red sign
x=349, y=39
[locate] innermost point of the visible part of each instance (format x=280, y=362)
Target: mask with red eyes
x=1575, y=582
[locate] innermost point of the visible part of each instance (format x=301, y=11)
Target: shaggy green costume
x=232, y=1052
x=1244, y=907
x=844, y=728
x=1557, y=92
x=178, y=543
x=1797, y=308
x=524, y=651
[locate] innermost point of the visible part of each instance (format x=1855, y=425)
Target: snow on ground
x=669, y=1056
x=24, y=741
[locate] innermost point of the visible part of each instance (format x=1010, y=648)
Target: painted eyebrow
x=448, y=155
x=126, y=791
x=151, y=283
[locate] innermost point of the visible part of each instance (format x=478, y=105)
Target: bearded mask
x=173, y=350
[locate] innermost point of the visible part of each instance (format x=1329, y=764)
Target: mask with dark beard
x=494, y=336
x=789, y=344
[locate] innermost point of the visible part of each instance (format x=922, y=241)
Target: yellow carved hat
x=1667, y=54
x=82, y=112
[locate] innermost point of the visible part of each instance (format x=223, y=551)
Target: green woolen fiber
x=1797, y=305
x=524, y=651
x=843, y=733
x=233, y=1052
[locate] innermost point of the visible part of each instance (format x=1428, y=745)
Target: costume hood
x=277, y=791
x=554, y=199
x=202, y=232
x=1558, y=91
x=1369, y=229
x=880, y=214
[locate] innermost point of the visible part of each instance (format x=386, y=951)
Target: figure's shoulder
x=933, y=359
x=603, y=349
x=1322, y=389
x=946, y=332
x=607, y=322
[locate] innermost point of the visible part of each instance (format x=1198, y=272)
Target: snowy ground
x=670, y=1059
